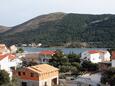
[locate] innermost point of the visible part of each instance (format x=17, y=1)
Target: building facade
x=39, y=75
x=96, y=56
x=45, y=56
x=13, y=49
x=8, y=62
x=4, y=49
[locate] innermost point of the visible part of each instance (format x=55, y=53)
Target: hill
x=68, y=30
x=4, y=29
x=35, y=23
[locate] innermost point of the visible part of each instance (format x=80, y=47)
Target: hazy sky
x=13, y=12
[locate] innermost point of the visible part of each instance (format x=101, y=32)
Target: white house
x=9, y=62
x=96, y=56
x=13, y=49
x=4, y=49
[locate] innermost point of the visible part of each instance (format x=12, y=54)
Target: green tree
x=20, y=50
x=58, y=59
x=73, y=57
x=76, y=64
x=64, y=68
x=74, y=71
x=88, y=66
x=4, y=77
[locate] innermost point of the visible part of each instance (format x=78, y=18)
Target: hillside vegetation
x=68, y=30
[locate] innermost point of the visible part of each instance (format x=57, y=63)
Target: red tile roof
x=2, y=56
x=47, y=52
x=96, y=51
x=10, y=56
x=92, y=51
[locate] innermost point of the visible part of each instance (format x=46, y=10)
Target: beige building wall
x=46, y=82
x=44, y=75
x=30, y=82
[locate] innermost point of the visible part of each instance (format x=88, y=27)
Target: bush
x=4, y=77
x=73, y=57
x=65, y=69
x=76, y=64
x=20, y=50
x=87, y=65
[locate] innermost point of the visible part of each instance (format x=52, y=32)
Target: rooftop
x=47, y=52
x=42, y=68
x=10, y=56
x=2, y=56
x=96, y=51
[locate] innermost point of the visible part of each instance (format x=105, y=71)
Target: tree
x=87, y=65
x=73, y=58
x=74, y=70
x=66, y=63
x=30, y=63
x=76, y=64
x=65, y=69
x=108, y=76
x=20, y=50
x=4, y=77
x=58, y=59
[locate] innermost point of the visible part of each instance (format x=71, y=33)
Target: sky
x=14, y=12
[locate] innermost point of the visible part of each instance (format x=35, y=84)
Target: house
x=45, y=55
x=38, y=57
x=103, y=66
x=8, y=62
x=4, y=49
x=39, y=75
x=96, y=56
x=13, y=49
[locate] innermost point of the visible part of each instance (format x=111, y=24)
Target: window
x=32, y=74
x=24, y=84
x=45, y=83
x=12, y=68
x=19, y=73
x=23, y=73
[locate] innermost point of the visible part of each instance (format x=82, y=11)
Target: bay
x=65, y=50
